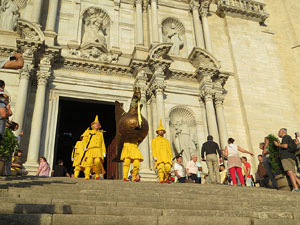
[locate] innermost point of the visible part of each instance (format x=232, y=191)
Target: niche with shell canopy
x=183, y=130
x=173, y=31
x=95, y=29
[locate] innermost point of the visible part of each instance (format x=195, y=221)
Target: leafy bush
x=8, y=145
x=274, y=155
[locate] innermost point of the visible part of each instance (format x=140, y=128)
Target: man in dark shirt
x=288, y=159
x=211, y=149
x=60, y=170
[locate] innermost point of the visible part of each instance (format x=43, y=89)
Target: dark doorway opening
x=74, y=117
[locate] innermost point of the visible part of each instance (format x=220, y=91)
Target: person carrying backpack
x=288, y=148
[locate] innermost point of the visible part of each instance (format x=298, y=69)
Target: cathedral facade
x=229, y=68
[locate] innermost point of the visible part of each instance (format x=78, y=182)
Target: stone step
x=10, y=208
x=158, y=204
x=61, y=219
x=120, y=196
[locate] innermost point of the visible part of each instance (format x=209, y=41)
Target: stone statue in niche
x=184, y=139
x=94, y=32
x=9, y=14
x=174, y=37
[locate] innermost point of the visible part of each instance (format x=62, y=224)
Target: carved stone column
x=207, y=95
x=158, y=86
x=219, y=99
x=29, y=50
x=37, y=119
x=139, y=22
x=204, y=12
x=194, y=6
x=25, y=77
x=155, y=35
x=36, y=11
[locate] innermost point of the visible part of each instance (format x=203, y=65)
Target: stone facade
x=229, y=68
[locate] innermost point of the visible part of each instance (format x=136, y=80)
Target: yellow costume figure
x=95, y=151
x=131, y=154
x=162, y=154
x=77, y=155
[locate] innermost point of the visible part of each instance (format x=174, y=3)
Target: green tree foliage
x=274, y=155
x=8, y=145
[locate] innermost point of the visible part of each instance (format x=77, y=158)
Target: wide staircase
x=63, y=201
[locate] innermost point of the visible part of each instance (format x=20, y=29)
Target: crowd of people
x=89, y=153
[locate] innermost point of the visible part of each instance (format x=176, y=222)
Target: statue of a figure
x=94, y=31
x=9, y=13
x=174, y=37
x=184, y=141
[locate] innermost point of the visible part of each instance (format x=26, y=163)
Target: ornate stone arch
x=94, y=12
x=179, y=28
x=202, y=58
x=30, y=31
x=183, y=128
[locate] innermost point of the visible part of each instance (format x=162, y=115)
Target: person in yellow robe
x=162, y=154
x=77, y=155
x=95, y=151
x=131, y=154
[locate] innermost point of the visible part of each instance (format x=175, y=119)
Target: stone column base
x=148, y=175
x=31, y=167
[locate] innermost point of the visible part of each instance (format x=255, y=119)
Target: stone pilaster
x=139, y=22
x=116, y=19
x=219, y=99
x=36, y=11
x=204, y=9
x=155, y=34
x=194, y=7
x=50, y=33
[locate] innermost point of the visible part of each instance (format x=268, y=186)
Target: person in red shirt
x=247, y=172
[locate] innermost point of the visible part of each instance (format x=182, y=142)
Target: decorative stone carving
x=9, y=14
x=207, y=93
x=160, y=51
x=43, y=77
x=202, y=58
x=194, y=5
x=94, y=53
x=96, y=22
x=183, y=132
x=26, y=72
x=219, y=99
x=30, y=31
x=158, y=86
x=246, y=9
x=173, y=31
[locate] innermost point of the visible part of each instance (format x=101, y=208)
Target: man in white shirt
x=192, y=169
x=179, y=170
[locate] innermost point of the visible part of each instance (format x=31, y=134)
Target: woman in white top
x=234, y=161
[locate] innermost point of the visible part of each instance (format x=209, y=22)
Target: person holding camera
x=14, y=62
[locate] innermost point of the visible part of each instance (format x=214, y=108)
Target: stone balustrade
x=243, y=8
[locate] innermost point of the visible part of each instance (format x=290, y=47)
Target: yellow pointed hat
x=95, y=121
x=160, y=127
